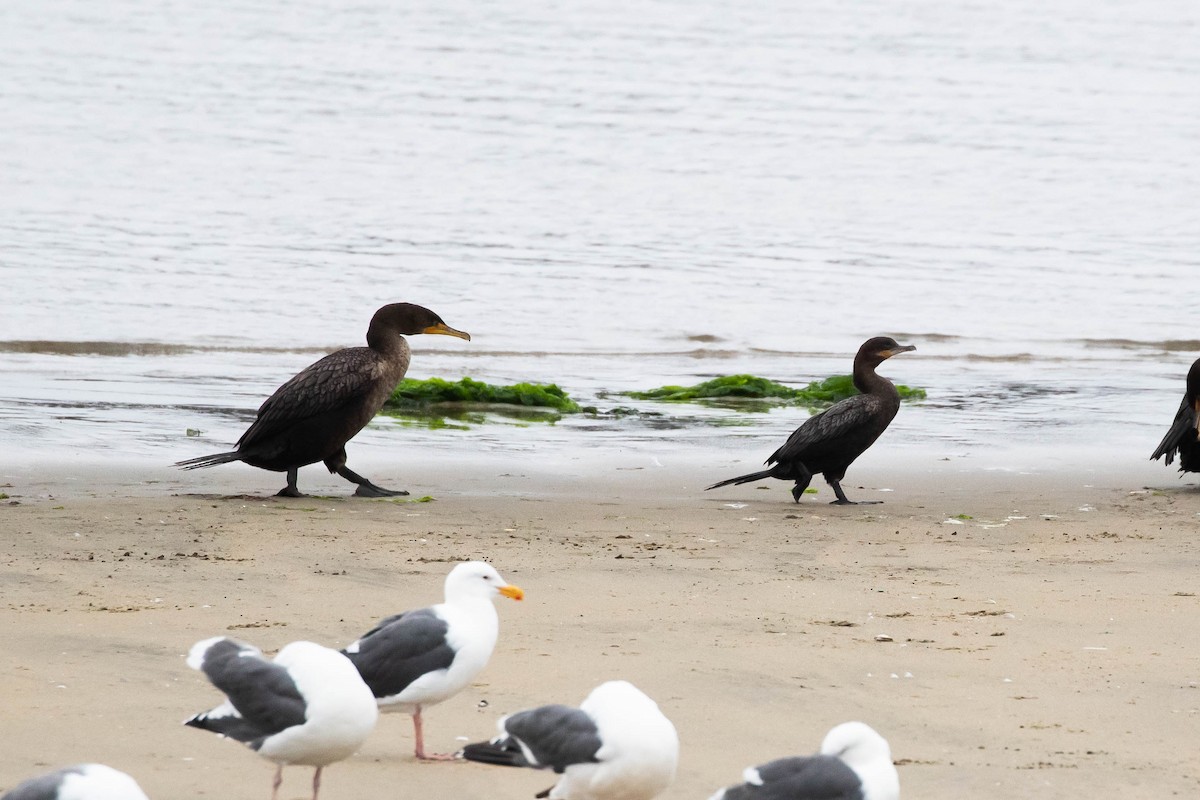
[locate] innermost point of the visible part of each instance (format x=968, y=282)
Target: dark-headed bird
x=80, y=782
x=617, y=745
x=307, y=706
x=828, y=442
x=312, y=416
x=855, y=763
x=1184, y=436
x=418, y=658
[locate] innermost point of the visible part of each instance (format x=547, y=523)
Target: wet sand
x=1012, y=635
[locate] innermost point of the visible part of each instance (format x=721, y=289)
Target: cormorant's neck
x=386, y=341
x=867, y=381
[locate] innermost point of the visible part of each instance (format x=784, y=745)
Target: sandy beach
x=1011, y=635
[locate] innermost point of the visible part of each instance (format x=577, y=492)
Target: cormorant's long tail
x=1185, y=422
x=210, y=461
x=753, y=476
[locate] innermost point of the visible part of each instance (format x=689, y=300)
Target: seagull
x=616, y=746
x=855, y=763
x=80, y=782
x=422, y=657
x=307, y=706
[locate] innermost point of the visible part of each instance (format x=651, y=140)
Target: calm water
x=607, y=195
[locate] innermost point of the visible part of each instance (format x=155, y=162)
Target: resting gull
x=80, y=782
x=616, y=746
x=422, y=657
x=855, y=763
x=307, y=706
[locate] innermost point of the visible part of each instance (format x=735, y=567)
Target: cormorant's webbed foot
x=291, y=490
x=369, y=489
x=842, y=500
x=366, y=488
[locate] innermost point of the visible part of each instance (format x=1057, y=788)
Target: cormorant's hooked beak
x=515, y=592
x=446, y=330
x=904, y=348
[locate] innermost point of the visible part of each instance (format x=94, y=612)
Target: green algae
x=740, y=388
x=462, y=418
x=420, y=394
x=439, y=404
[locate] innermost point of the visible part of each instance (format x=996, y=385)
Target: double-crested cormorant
x=1183, y=436
x=312, y=416
x=829, y=442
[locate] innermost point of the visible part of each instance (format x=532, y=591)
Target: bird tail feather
x=209, y=461
x=753, y=476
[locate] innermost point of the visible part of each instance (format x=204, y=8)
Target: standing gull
x=80, y=782
x=312, y=416
x=855, y=763
x=1182, y=438
x=829, y=442
x=418, y=658
x=616, y=746
x=308, y=706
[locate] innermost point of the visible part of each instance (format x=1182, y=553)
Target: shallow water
x=197, y=200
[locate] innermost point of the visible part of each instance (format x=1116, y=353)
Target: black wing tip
x=200, y=721
x=506, y=755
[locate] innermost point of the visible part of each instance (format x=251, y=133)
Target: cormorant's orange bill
x=446, y=330
x=515, y=592
x=904, y=348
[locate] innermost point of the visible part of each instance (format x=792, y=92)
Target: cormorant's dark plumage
x=1182, y=438
x=312, y=416
x=829, y=442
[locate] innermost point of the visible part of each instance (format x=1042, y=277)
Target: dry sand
x=1049, y=646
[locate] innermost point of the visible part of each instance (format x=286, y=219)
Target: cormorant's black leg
x=291, y=490
x=801, y=484
x=842, y=500
x=365, y=487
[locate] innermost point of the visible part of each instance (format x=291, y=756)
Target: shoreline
x=1044, y=645
x=485, y=465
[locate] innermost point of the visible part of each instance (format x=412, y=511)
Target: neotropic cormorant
x=829, y=442
x=312, y=416
x=1183, y=436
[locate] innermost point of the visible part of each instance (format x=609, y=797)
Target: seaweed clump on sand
x=419, y=395
x=818, y=394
